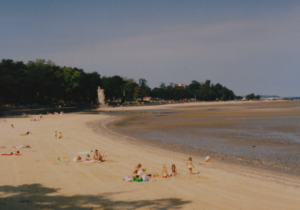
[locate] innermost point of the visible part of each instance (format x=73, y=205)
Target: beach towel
x=85, y=161
x=127, y=178
x=64, y=159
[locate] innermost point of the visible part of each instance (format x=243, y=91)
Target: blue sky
x=248, y=46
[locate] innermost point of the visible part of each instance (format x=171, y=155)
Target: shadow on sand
x=36, y=196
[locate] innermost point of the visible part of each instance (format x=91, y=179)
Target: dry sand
x=37, y=180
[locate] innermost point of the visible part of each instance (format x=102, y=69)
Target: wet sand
x=37, y=180
x=260, y=134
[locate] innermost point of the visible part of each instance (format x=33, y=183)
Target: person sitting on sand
x=79, y=159
x=103, y=155
x=164, y=172
x=145, y=176
x=26, y=134
x=97, y=155
x=174, y=170
x=137, y=168
x=60, y=135
x=88, y=158
x=190, y=165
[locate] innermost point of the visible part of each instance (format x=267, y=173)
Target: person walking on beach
x=190, y=165
x=55, y=134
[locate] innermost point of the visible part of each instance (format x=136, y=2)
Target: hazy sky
x=247, y=46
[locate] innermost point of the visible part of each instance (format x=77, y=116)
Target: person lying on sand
x=190, y=165
x=21, y=147
x=12, y=153
x=26, y=134
x=164, y=172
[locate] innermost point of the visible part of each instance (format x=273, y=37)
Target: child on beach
x=12, y=125
x=79, y=159
x=88, y=157
x=190, y=165
x=55, y=134
x=164, y=172
x=174, y=171
x=60, y=135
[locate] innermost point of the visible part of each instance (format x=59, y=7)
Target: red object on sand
x=10, y=154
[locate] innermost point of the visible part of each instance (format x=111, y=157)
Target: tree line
x=43, y=82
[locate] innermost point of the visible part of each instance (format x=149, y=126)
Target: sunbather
x=26, y=134
x=12, y=153
x=97, y=155
x=21, y=147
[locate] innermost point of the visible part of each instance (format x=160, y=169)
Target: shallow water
x=256, y=139
x=270, y=138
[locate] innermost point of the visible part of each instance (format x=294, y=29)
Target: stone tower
x=101, y=96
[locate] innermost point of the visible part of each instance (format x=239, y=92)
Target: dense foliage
x=252, y=97
x=43, y=82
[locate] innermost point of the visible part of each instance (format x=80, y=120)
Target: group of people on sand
x=60, y=135
x=56, y=113
x=139, y=174
x=17, y=147
x=96, y=157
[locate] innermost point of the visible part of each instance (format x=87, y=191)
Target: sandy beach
x=37, y=180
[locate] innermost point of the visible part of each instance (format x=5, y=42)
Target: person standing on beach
x=55, y=134
x=190, y=165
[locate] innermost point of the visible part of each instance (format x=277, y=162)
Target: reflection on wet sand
x=266, y=134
